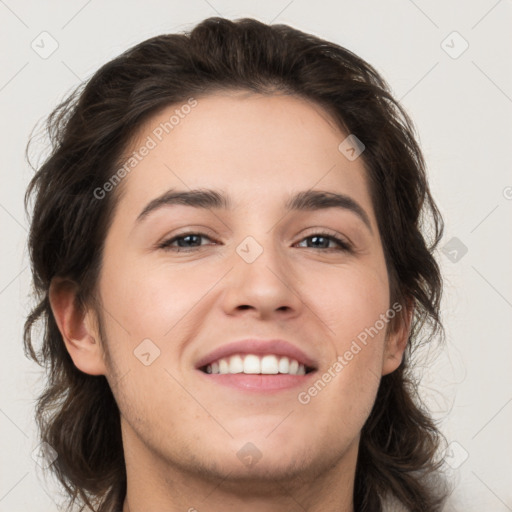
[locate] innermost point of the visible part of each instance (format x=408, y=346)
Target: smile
x=252, y=364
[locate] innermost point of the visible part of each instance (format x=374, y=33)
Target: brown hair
x=77, y=414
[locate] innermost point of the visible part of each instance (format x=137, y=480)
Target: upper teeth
x=253, y=364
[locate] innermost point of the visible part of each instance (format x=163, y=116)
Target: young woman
x=232, y=274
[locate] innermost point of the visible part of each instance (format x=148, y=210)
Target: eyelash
x=342, y=244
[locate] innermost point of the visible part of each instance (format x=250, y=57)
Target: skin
x=181, y=435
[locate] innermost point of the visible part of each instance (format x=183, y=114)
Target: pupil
x=183, y=242
x=315, y=239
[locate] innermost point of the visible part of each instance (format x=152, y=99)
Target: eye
x=184, y=241
x=187, y=242
x=326, y=241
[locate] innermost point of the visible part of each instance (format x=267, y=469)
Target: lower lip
x=261, y=383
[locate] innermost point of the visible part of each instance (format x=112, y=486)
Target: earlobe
x=76, y=326
x=396, y=342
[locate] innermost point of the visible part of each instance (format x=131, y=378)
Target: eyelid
x=343, y=243
x=165, y=244
x=329, y=233
x=188, y=230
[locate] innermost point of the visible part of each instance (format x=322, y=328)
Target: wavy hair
x=88, y=132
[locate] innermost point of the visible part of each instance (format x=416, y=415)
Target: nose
x=264, y=287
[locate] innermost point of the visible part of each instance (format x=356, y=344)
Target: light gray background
x=462, y=108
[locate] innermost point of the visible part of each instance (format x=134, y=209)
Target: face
x=193, y=284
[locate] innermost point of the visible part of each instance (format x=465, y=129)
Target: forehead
x=255, y=147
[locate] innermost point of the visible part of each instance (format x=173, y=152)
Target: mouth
x=253, y=364
x=258, y=365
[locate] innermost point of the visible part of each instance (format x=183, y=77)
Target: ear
x=77, y=327
x=396, y=342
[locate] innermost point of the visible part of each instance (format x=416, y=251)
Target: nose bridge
x=261, y=259
x=261, y=278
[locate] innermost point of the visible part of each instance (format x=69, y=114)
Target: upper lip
x=258, y=347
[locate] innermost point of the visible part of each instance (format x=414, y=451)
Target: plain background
x=460, y=100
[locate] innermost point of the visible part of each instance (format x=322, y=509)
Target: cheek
x=354, y=304
x=150, y=300
x=348, y=299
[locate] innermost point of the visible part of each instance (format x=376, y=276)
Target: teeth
x=253, y=364
x=284, y=365
x=223, y=366
x=236, y=364
x=269, y=365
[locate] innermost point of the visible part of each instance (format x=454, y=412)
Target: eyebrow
x=308, y=200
